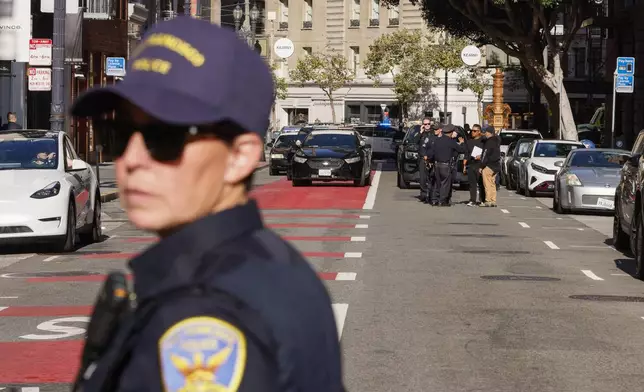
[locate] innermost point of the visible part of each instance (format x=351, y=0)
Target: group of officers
x=438, y=151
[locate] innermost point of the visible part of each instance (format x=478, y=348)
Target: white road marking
x=551, y=244
x=346, y=276
x=619, y=275
x=538, y=208
x=559, y=218
x=580, y=229
x=591, y=246
x=8, y=297
x=50, y=258
x=358, y=239
x=523, y=198
x=30, y=389
x=562, y=228
x=3, y=308
x=365, y=216
x=524, y=225
x=353, y=255
x=373, y=189
x=340, y=314
x=591, y=275
x=361, y=226
x=6, y=261
x=505, y=211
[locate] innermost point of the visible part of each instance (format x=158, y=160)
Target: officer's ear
x=244, y=154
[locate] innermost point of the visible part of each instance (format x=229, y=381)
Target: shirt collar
x=173, y=261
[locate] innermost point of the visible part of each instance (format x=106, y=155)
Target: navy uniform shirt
x=189, y=338
x=425, y=143
x=444, y=148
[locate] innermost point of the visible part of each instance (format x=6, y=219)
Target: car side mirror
x=298, y=143
x=362, y=143
x=269, y=144
x=524, y=154
x=78, y=165
x=559, y=163
x=635, y=160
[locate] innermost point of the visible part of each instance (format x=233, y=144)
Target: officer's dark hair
x=477, y=126
x=428, y=119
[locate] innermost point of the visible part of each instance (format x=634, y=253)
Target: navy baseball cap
x=190, y=72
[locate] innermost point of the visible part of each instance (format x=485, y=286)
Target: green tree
x=478, y=81
x=328, y=71
x=522, y=29
x=412, y=58
x=280, y=83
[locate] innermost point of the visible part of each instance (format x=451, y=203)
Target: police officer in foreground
x=424, y=144
x=440, y=155
x=212, y=309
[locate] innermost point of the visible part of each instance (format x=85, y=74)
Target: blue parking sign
x=624, y=83
x=115, y=66
x=626, y=66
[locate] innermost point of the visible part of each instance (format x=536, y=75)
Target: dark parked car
x=281, y=152
x=627, y=221
x=331, y=155
x=519, y=154
x=407, y=158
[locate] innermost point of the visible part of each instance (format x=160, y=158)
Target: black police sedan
x=407, y=158
x=331, y=155
x=281, y=149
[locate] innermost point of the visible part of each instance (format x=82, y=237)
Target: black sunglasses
x=165, y=142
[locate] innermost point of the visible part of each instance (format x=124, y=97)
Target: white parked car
x=538, y=170
x=46, y=191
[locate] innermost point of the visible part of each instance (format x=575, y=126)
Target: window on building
x=307, y=50
x=354, y=58
x=375, y=9
x=308, y=10
x=394, y=12
x=355, y=10
x=283, y=11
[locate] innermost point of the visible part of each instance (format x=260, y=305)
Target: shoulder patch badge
x=202, y=354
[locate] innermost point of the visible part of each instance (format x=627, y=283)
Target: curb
x=113, y=195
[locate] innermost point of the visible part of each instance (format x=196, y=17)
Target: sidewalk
x=109, y=190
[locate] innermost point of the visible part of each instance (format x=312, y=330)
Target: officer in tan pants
x=490, y=165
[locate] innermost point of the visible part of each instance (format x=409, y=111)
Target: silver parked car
x=587, y=179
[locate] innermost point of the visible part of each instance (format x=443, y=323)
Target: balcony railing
x=394, y=22
x=307, y=24
x=283, y=26
x=354, y=23
x=374, y=22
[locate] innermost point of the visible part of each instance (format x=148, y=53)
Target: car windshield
x=598, y=159
x=288, y=140
x=20, y=151
x=509, y=137
x=330, y=140
x=554, y=150
x=413, y=135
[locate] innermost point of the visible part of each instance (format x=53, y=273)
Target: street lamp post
x=445, y=41
x=254, y=16
x=237, y=15
x=247, y=29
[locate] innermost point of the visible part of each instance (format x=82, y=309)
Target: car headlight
x=50, y=190
x=299, y=159
x=411, y=155
x=572, y=180
x=538, y=168
x=353, y=160
x=277, y=156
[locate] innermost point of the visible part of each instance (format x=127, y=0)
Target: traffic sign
x=626, y=66
x=40, y=51
x=115, y=66
x=284, y=48
x=39, y=79
x=624, y=83
x=471, y=55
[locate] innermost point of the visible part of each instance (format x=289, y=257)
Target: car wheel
x=301, y=182
x=528, y=192
x=621, y=241
x=368, y=179
x=556, y=204
x=96, y=233
x=401, y=182
x=639, y=249
x=68, y=243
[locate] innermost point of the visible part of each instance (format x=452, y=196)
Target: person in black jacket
x=472, y=164
x=440, y=155
x=490, y=165
x=424, y=142
x=12, y=122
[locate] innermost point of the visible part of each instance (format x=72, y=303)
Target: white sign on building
x=471, y=55
x=40, y=52
x=47, y=6
x=284, y=48
x=15, y=30
x=39, y=79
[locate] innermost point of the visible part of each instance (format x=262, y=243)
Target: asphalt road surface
x=514, y=298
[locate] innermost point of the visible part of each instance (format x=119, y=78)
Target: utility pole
x=57, y=118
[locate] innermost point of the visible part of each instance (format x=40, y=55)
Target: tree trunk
x=550, y=86
x=479, y=109
x=332, y=106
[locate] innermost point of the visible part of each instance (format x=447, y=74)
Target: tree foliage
x=280, y=84
x=521, y=29
x=328, y=71
x=478, y=81
x=411, y=58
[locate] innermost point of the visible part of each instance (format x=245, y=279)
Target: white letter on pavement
x=60, y=331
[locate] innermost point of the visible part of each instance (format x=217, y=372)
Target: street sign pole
x=57, y=118
x=612, y=117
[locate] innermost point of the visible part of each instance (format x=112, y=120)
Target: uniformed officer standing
x=440, y=156
x=424, y=143
x=213, y=311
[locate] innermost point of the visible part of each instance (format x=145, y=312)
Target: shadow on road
x=626, y=265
